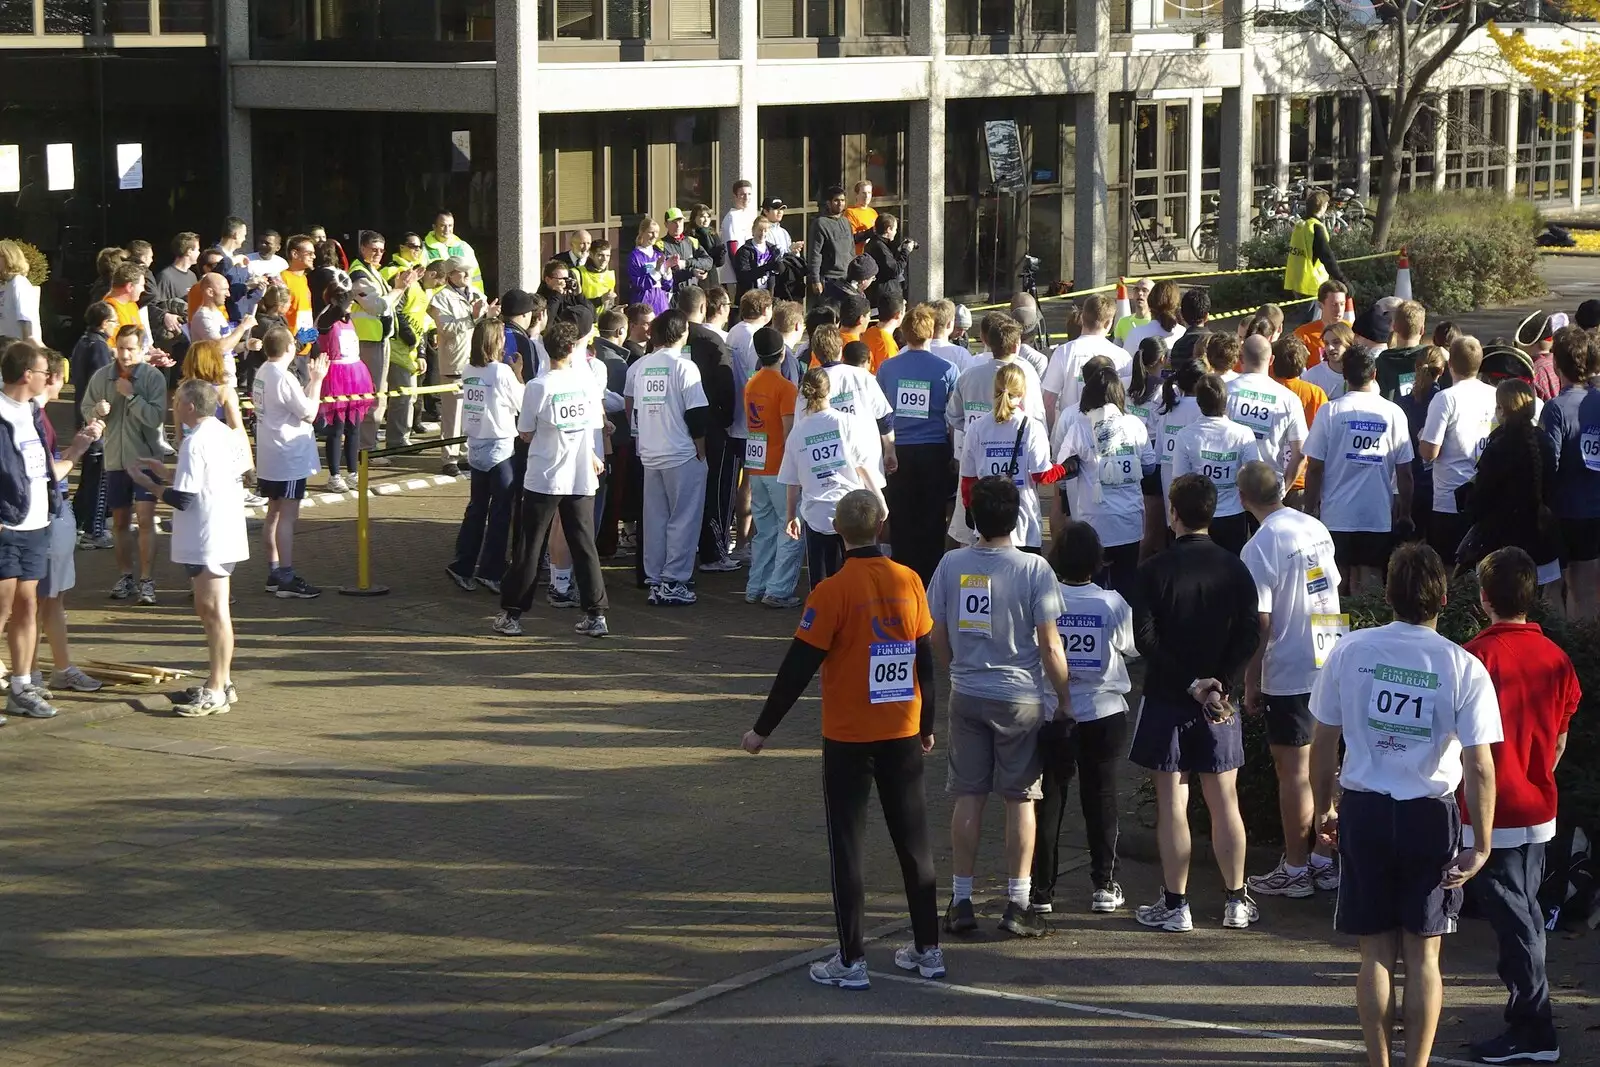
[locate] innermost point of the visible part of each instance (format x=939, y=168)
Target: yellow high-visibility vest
x=1304, y=273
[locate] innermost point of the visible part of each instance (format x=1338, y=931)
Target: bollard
x=363, y=586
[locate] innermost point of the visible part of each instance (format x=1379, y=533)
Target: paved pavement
x=416, y=843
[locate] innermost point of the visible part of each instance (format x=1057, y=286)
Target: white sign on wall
x=59, y=172
x=130, y=166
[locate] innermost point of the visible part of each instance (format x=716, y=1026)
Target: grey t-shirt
x=991, y=600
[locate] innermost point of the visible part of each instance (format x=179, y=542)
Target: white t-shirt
x=1459, y=421
x=742, y=350
x=1152, y=329
x=1408, y=701
x=974, y=396
x=256, y=264
x=663, y=385
x=1096, y=628
x=959, y=356
x=1165, y=426
x=286, y=440
x=1113, y=451
x=20, y=415
x=1271, y=412
x=1216, y=447
x=1360, y=438
x=1328, y=379
x=562, y=410
x=857, y=394
x=1291, y=559
x=19, y=303
x=210, y=532
x=736, y=227
x=989, y=449
x=1064, y=375
x=821, y=457
x=491, y=400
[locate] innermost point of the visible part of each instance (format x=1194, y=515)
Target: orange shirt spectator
x=1288, y=363
x=881, y=342
x=769, y=398
x=1310, y=335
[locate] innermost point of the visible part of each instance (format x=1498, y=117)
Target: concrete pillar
x=1281, y=112
x=237, y=146
x=517, y=170
x=1441, y=143
x=1092, y=201
x=1196, y=154
x=925, y=156
x=1513, y=102
x=738, y=153
x=1575, y=189
x=1364, y=147
x=1235, y=200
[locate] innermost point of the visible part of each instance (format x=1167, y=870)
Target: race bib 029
x=1083, y=638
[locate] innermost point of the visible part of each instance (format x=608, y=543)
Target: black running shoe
x=1023, y=922
x=960, y=918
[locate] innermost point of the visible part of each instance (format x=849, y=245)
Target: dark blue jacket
x=14, y=483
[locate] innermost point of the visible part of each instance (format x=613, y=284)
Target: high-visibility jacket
x=412, y=311
x=373, y=318
x=437, y=248
x=1304, y=273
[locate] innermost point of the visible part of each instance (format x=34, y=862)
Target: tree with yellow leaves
x=1567, y=70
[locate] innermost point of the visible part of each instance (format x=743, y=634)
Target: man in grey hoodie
x=831, y=245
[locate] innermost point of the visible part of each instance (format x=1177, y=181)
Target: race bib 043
x=972, y=616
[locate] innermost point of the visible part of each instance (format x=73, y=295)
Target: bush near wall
x=1578, y=776
x=1467, y=250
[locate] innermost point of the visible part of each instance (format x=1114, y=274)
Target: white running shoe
x=1239, y=914
x=1107, y=898
x=1158, y=915
x=835, y=971
x=504, y=623
x=592, y=626
x=928, y=963
x=72, y=677
x=1326, y=878
x=1282, y=882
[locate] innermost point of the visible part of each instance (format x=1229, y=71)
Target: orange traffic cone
x=1402, y=277
x=1124, y=308
x=1349, y=316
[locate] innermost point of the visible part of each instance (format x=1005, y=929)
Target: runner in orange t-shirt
x=862, y=215
x=769, y=400
x=880, y=337
x=1332, y=311
x=1288, y=363
x=868, y=628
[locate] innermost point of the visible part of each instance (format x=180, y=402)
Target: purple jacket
x=647, y=285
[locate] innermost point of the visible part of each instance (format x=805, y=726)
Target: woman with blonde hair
x=1008, y=443
x=19, y=298
x=207, y=361
x=650, y=269
x=823, y=460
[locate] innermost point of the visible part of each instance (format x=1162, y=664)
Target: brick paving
x=414, y=842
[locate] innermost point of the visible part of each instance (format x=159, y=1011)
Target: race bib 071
x=1402, y=704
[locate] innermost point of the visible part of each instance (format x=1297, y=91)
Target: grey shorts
x=993, y=747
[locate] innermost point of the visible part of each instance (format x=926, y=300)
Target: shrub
x=38, y=265
x=1467, y=250
x=1578, y=776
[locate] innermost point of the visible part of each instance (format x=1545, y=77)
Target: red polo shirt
x=1538, y=692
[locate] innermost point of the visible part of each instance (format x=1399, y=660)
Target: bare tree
x=1392, y=52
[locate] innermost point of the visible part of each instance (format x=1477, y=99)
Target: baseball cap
x=674, y=214
x=772, y=203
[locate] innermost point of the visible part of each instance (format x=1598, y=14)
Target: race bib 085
x=890, y=666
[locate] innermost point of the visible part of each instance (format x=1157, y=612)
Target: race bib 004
x=890, y=666
x=1364, y=440
x=972, y=616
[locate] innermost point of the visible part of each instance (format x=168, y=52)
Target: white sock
x=19, y=682
x=1017, y=890
x=960, y=888
x=1292, y=869
x=561, y=578
x=1321, y=861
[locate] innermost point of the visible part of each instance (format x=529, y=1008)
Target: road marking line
x=699, y=996
x=1140, y=1016
x=386, y=488
x=417, y=483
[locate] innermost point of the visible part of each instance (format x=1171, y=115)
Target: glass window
x=1049, y=16
x=1264, y=147
x=961, y=17
x=1299, y=135
x=1045, y=132
x=68, y=16
x=780, y=18
x=825, y=18
x=994, y=17
x=575, y=185
x=186, y=16
x=547, y=183
x=128, y=16
x=16, y=16
x=690, y=18
x=627, y=20
x=576, y=19
x=1182, y=10
x=883, y=161
x=883, y=18
x=695, y=136
x=783, y=169
x=629, y=166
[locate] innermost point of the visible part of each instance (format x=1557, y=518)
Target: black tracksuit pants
x=848, y=773
x=917, y=493
x=1092, y=750
x=538, y=511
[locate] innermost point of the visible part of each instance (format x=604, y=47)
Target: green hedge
x=1578, y=776
x=1467, y=250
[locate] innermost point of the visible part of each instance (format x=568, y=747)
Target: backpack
x=1569, y=894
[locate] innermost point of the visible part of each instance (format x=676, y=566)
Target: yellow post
x=364, y=586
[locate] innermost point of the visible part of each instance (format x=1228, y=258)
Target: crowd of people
x=1155, y=487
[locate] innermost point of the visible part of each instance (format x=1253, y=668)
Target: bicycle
x=1149, y=243
x=1203, y=241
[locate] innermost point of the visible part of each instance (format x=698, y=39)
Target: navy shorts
x=1174, y=736
x=1289, y=720
x=1361, y=548
x=1580, y=540
x=122, y=491
x=1392, y=858
x=272, y=490
x=24, y=554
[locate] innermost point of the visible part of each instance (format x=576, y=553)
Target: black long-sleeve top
x=1322, y=250
x=710, y=354
x=1194, y=616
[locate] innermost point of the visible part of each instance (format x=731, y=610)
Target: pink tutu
x=347, y=375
